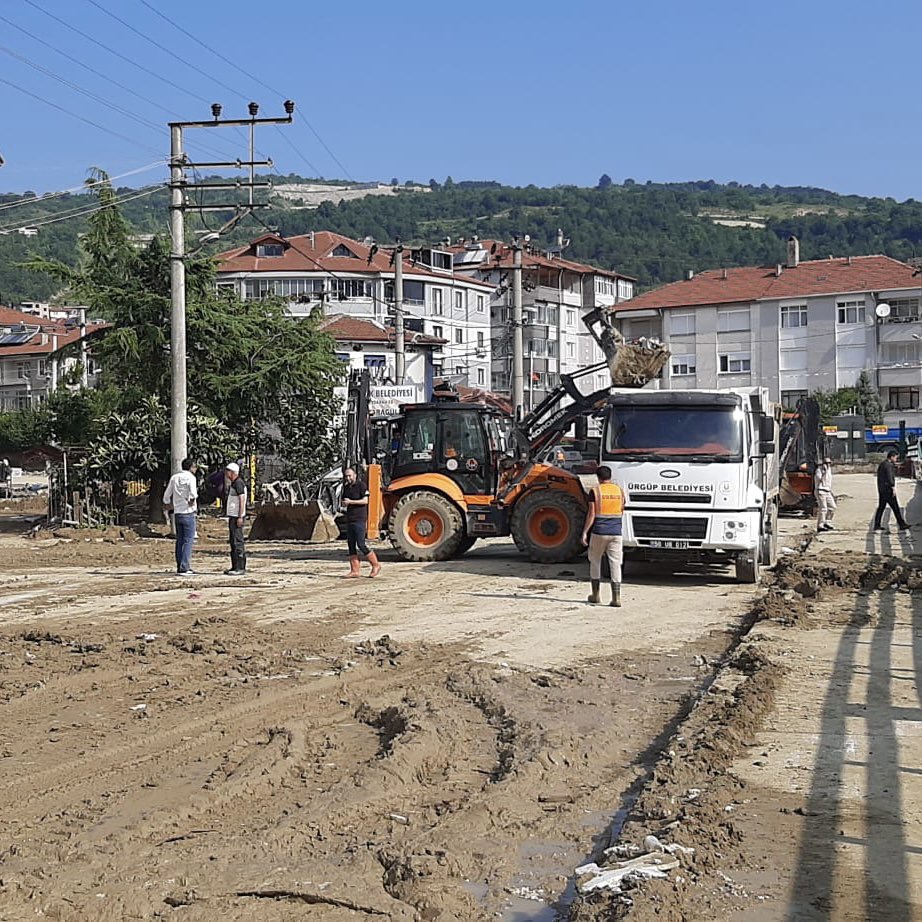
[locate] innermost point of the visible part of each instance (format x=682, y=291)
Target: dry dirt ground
x=449, y=741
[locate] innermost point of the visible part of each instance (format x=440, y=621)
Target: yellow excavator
x=445, y=473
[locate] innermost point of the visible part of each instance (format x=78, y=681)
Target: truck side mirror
x=767, y=448
x=766, y=429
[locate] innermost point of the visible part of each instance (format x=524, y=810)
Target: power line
x=164, y=48
x=87, y=121
x=256, y=80
x=119, y=200
x=84, y=186
x=74, y=86
x=297, y=150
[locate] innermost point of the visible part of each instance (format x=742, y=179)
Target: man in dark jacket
x=886, y=492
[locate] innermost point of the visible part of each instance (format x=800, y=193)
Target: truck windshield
x=690, y=433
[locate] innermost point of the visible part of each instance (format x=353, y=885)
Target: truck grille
x=646, y=526
x=703, y=498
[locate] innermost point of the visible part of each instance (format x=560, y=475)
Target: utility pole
x=178, y=186
x=518, y=345
x=400, y=348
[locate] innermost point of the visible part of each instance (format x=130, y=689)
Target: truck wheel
x=547, y=525
x=747, y=568
x=467, y=542
x=425, y=526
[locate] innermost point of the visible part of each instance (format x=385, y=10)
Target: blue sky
x=809, y=93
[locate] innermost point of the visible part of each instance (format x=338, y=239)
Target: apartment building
x=36, y=353
x=556, y=293
x=338, y=275
x=796, y=328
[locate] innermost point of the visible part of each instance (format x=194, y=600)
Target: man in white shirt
x=181, y=498
x=825, y=499
x=236, y=509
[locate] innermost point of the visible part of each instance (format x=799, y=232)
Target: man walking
x=602, y=532
x=825, y=499
x=180, y=498
x=886, y=492
x=355, y=503
x=235, y=509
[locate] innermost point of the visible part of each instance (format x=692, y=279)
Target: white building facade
x=338, y=275
x=556, y=294
x=796, y=328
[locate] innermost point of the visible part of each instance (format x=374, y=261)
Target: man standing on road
x=602, y=532
x=236, y=509
x=886, y=492
x=825, y=499
x=180, y=497
x=355, y=503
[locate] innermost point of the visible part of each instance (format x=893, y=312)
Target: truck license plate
x=679, y=545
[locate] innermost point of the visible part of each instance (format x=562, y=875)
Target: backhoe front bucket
x=298, y=522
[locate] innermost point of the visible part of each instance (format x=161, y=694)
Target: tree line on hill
x=652, y=231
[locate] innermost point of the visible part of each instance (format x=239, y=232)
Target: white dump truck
x=699, y=469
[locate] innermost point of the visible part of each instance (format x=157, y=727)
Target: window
x=552, y=314
x=536, y=347
x=903, y=398
x=684, y=364
x=481, y=302
x=459, y=370
x=902, y=309
x=437, y=332
x=436, y=300
x=571, y=318
x=642, y=328
x=682, y=324
x=850, y=311
x=552, y=348
x=270, y=249
x=571, y=350
x=481, y=376
x=459, y=300
x=625, y=289
x=899, y=354
x=459, y=335
x=480, y=339
x=790, y=399
x=733, y=321
x=734, y=363
x=342, y=250
x=375, y=361
x=792, y=360
x=43, y=367
x=23, y=369
x=793, y=315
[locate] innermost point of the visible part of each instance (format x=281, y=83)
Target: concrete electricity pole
x=518, y=345
x=178, y=186
x=400, y=348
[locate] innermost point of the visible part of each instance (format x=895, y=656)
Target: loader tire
x=425, y=526
x=547, y=525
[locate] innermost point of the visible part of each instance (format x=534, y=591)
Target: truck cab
x=699, y=472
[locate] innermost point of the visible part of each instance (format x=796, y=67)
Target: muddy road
x=445, y=742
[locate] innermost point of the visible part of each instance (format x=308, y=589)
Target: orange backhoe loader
x=445, y=473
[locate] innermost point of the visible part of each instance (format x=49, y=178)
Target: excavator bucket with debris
x=288, y=512
x=635, y=362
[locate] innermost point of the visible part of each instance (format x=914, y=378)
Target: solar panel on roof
x=15, y=339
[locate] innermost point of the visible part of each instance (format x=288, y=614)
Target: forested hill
x=652, y=231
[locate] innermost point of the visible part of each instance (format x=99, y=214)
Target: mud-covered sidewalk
x=797, y=778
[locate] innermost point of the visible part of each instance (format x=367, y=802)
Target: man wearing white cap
x=236, y=510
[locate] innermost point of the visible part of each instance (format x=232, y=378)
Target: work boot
x=355, y=568
x=372, y=558
x=594, y=597
x=616, y=595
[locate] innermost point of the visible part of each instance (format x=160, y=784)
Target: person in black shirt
x=886, y=492
x=355, y=504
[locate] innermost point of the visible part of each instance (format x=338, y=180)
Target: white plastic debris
x=138, y=707
x=646, y=866
x=147, y=637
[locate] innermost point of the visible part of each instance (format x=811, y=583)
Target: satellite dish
x=882, y=310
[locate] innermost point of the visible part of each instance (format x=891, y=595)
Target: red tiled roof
x=754, y=283
x=312, y=253
x=535, y=260
x=66, y=333
x=346, y=328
